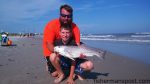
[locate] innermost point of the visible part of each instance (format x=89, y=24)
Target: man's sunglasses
x=68, y=16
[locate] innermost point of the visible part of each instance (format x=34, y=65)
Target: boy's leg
x=54, y=58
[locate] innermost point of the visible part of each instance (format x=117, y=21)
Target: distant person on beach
x=4, y=38
x=51, y=33
x=60, y=62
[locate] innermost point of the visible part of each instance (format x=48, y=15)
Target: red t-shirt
x=51, y=33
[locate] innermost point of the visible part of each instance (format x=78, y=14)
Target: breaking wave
x=119, y=37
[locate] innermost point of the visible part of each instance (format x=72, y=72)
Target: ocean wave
x=98, y=36
x=109, y=39
x=140, y=35
x=143, y=33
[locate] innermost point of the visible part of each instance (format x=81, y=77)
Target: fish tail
x=102, y=54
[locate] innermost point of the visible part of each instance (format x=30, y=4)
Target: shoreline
x=25, y=64
x=131, y=50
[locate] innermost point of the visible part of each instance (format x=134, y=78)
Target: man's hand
x=50, y=46
x=70, y=81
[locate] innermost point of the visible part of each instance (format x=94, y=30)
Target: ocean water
x=134, y=46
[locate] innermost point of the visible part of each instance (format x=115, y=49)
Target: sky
x=91, y=16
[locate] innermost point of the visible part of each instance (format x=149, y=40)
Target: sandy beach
x=23, y=63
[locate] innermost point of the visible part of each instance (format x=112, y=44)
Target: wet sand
x=23, y=63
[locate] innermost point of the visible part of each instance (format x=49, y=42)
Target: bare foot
x=59, y=79
x=54, y=74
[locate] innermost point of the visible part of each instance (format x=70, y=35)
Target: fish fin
x=71, y=58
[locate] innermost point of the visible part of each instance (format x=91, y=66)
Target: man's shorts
x=66, y=64
x=51, y=68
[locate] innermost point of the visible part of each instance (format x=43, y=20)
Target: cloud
x=119, y=5
x=17, y=10
x=89, y=26
x=100, y=5
x=85, y=7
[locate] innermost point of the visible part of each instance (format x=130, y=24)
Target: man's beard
x=68, y=23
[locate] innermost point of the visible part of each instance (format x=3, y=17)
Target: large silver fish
x=75, y=51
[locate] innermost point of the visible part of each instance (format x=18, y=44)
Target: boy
x=59, y=62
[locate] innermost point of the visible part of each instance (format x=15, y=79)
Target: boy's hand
x=70, y=81
x=82, y=56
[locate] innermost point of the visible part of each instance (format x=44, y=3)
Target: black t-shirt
x=59, y=42
x=71, y=42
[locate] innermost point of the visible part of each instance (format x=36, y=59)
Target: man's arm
x=50, y=46
x=76, y=33
x=70, y=78
x=48, y=37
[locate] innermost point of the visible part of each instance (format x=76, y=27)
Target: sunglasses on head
x=68, y=16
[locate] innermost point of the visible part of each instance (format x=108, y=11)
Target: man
x=51, y=33
x=59, y=62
